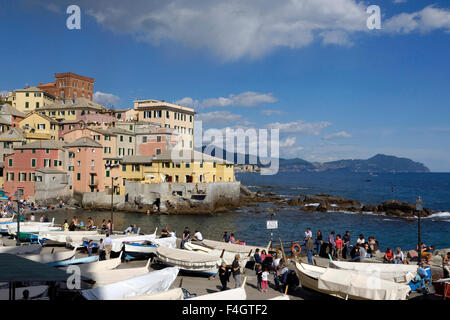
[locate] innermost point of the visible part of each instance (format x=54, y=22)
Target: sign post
x=18, y=194
x=271, y=225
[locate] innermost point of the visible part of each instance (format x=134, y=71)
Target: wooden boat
x=139, y=248
x=227, y=257
x=348, y=284
x=189, y=261
x=149, y=283
x=231, y=247
x=232, y=294
x=172, y=294
x=100, y=266
x=75, y=237
x=11, y=224
x=52, y=257
x=23, y=249
x=105, y=277
x=401, y=273
x=35, y=292
x=84, y=260
x=32, y=227
x=3, y=220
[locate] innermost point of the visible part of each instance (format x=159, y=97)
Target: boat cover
x=173, y=294
x=186, y=258
x=232, y=294
x=152, y=282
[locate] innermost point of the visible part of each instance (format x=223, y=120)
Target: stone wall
x=100, y=200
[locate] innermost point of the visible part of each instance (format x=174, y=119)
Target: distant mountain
x=379, y=163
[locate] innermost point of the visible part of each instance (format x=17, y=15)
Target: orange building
x=70, y=86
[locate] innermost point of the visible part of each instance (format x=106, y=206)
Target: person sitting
x=232, y=239
x=263, y=255
x=446, y=265
x=165, y=232
x=226, y=237
x=367, y=251
x=399, y=257
x=427, y=252
x=135, y=229
x=186, y=237
x=128, y=230
x=356, y=253
x=197, y=236
x=388, y=256
x=373, y=244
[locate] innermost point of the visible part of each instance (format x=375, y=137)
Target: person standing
x=339, y=246
x=186, y=237
x=224, y=276
x=309, y=248
x=346, y=239
x=66, y=226
x=319, y=242
x=89, y=247
x=332, y=244
x=101, y=250
x=108, y=246
x=259, y=272
x=236, y=269
x=265, y=280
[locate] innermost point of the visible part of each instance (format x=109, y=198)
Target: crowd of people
x=9, y=208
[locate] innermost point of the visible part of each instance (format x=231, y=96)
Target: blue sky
x=334, y=88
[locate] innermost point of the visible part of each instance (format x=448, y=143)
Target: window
x=201, y=164
x=78, y=176
x=38, y=179
x=47, y=163
x=47, y=151
x=37, y=105
x=168, y=114
x=10, y=163
x=27, y=105
x=121, y=138
x=107, y=174
x=33, y=163
x=158, y=138
x=107, y=138
x=124, y=167
x=92, y=163
x=71, y=168
x=32, y=176
x=55, y=163
x=11, y=176
x=41, y=126
x=131, y=126
x=188, y=165
x=158, y=151
x=23, y=176
x=130, y=139
x=190, y=144
x=144, y=139
x=190, y=118
x=97, y=137
x=27, y=94
x=78, y=163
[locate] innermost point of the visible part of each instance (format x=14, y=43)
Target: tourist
x=41, y=219
x=308, y=233
x=399, y=258
x=101, y=250
x=388, y=256
x=356, y=253
x=25, y=294
x=91, y=225
x=339, y=246
x=259, y=272
x=367, y=253
x=446, y=265
x=309, y=248
x=224, y=276
x=197, y=236
x=128, y=230
x=135, y=229
x=318, y=242
x=360, y=240
x=186, y=237
x=276, y=272
x=107, y=243
x=32, y=217
x=263, y=255
x=147, y=212
x=232, y=239
x=265, y=280
x=110, y=227
x=89, y=247
x=66, y=226
x=104, y=226
x=165, y=232
x=226, y=237
x=257, y=258
x=332, y=244
x=373, y=243
x=236, y=269
x=347, y=244
x=72, y=226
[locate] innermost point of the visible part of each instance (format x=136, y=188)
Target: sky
x=312, y=69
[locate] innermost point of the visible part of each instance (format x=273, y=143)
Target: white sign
x=272, y=224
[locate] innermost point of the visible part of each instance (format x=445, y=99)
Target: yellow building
x=36, y=126
x=169, y=115
x=190, y=167
x=77, y=109
x=30, y=99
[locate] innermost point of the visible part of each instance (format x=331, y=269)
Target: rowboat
x=75, y=237
x=32, y=227
x=35, y=292
x=232, y=247
x=139, y=248
x=172, y=294
x=227, y=257
x=189, y=261
x=149, y=283
x=348, y=284
x=52, y=257
x=100, y=266
x=106, y=277
x=3, y=220
x=19, y=250
x=401, y=273
x=84, y=260
x=232, y=294
x=10, y=224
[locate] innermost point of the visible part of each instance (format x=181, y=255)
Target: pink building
x=20, y=166
x=68, y=125
x=86, y=162
x=155, y=142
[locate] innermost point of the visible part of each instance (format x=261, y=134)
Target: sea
x=249, y=223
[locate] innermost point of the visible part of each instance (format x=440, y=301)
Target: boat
x=35, y=292
x=232, y=294
x=227, y=257
x=232, y=247
x=105, y=277
x=348, y=284
x=172, y=294
x=10, y=224
x=32, y=227
x=3, y=220
x=282, y=297
x=140, y=248
x=84, y=260
x=150, y=283
x=51, y=257
x=189, y=261
x=23, y=249
x=100, y=266
x=401, y=273
x=74, y=237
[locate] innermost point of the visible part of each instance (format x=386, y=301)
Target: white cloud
x=300, y=126
x=426, y=20
x=271, y=112
x=288, y=142
x=218, y=117
x=244, y=99
x=400, y=1
x=336, y=37
x=340, y=134
x=107, y=99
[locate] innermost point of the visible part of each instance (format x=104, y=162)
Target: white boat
x=106, y=277
x=282, y=297
x=227, y=257
x=35, y=292
x=11, y=224
x=79, y=261
x=189, y=261
x=52, y=257
x=101, y=265
x=3, y=220
x=348, y=284
x=152, y=282
x=75, y=237
x=24, y=249
x=139, y=248
x=401, y=273
x=232, y=294
x=232, y=247
x=32, y=227
x=172, y=294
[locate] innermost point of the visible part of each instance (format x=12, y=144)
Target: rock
x=370, y=208
x=295, y=202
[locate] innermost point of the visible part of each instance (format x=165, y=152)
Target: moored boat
x=232, y=294
x=52, y=257
x=227, y=257
x=21, y=250
x=74, y=237
x=172, y=294
x=84, y=260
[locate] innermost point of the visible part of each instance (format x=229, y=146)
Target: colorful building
x=70, y=85
x=78, y=109
x=37, y=126
x=30, y=99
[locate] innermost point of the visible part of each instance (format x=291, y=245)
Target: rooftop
x=173, y=155
x=43, y=144
x=14, y=134
x=51, y=170
x=84, y=142
x=151, y=104
x=10, y=110
x=79, y=103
